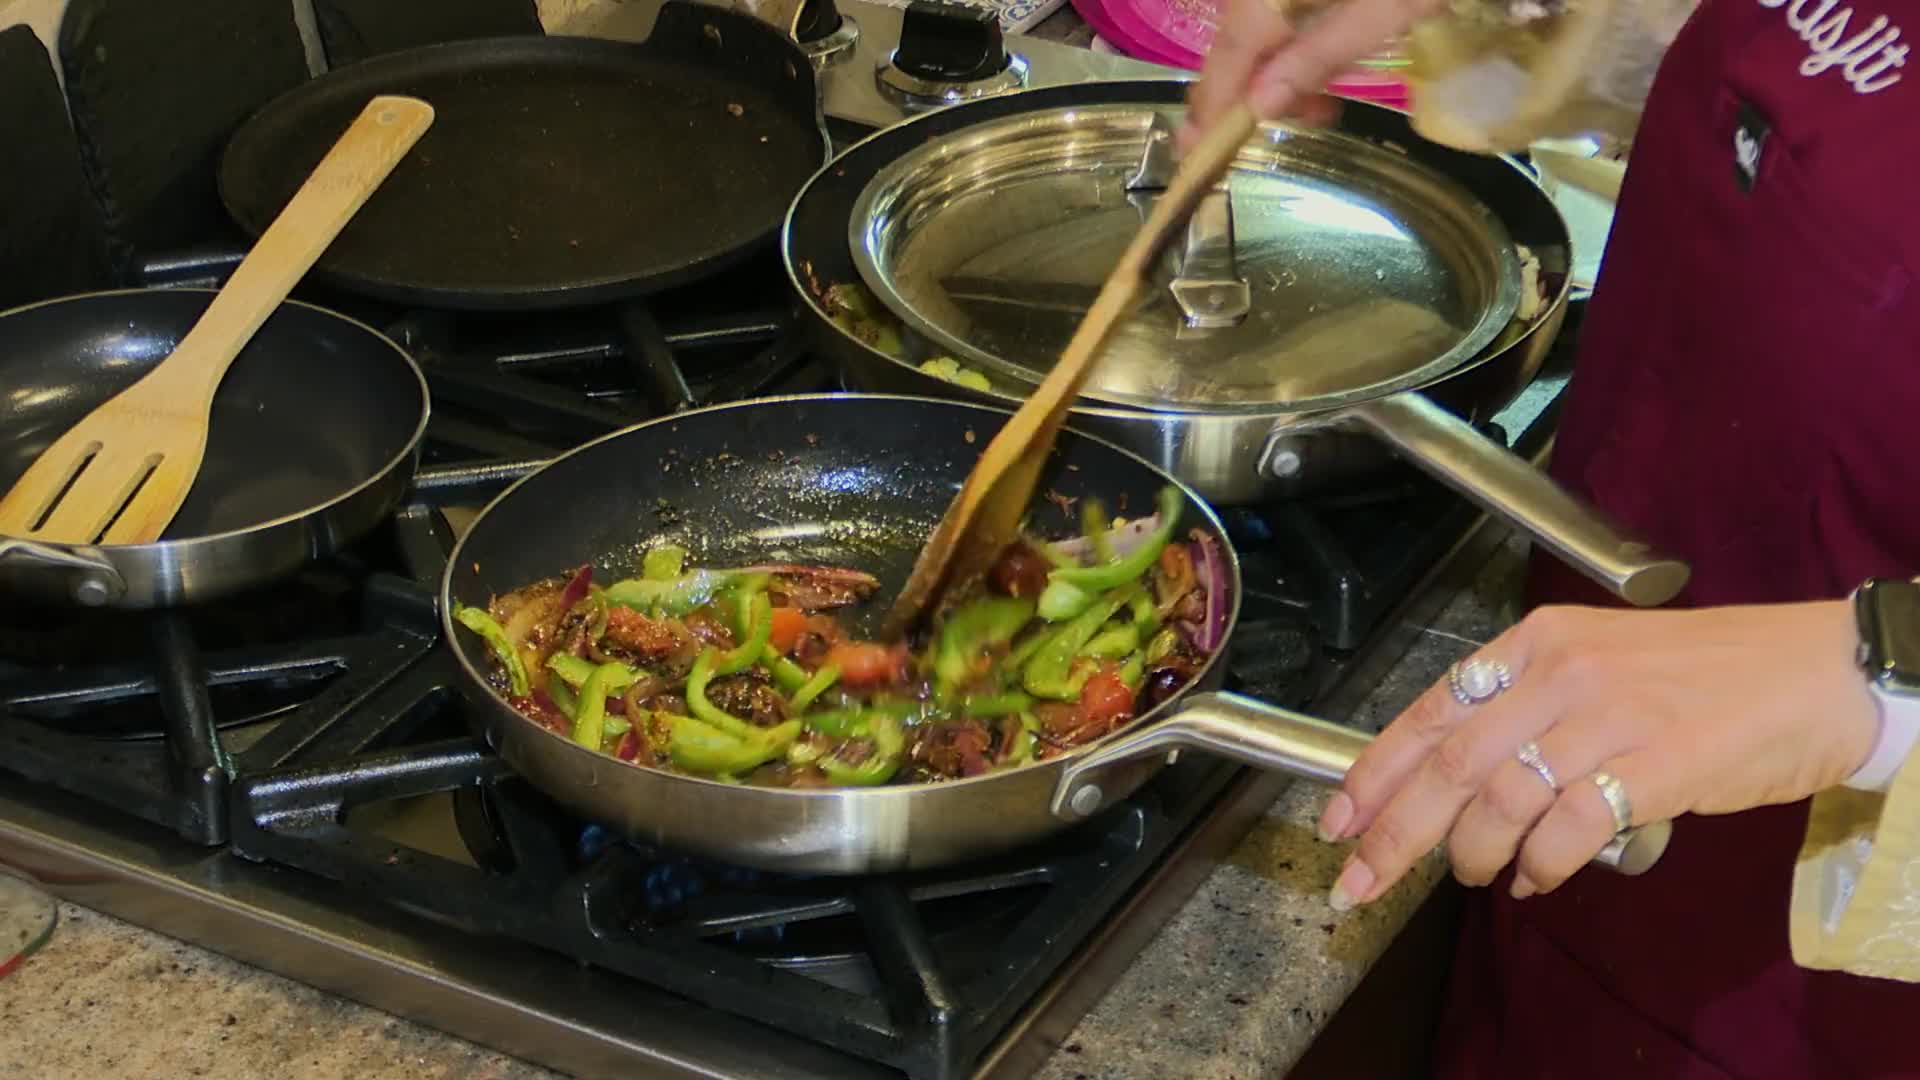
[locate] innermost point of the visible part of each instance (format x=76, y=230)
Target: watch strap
x=1887, y=610
x=1899, y=730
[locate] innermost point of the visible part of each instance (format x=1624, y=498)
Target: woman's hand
x=1709, y=711
x=1266, y=57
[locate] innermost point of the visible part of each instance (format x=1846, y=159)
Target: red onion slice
x=1210, y=569
x=1124, y=539
x=576, y=589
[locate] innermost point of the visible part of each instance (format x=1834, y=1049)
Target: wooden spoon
x=985, y=516
x=120, y=475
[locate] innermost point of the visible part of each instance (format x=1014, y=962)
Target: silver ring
x=1616, y=795
x=1529, y=755
x=1476, y=681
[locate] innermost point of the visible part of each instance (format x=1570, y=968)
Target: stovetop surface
x=307, y=744
x=289, y=776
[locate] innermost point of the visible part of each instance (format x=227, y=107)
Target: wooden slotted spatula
x=120, y=474
x=985, y=516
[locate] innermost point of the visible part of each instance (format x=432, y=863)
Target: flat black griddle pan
x=560, y=171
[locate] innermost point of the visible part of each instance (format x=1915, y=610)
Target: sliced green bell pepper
x=712, y=664
x=704, y=669
x=805, y=752
x=1113, y=643
x=969, y=632
x=844, y=723
x=563, y=695
x=671, y=596
x=575, y=671
x=1114, y=573
x=1050, y=674
x=889, y=747
x=663, y=563
x=839, y=723
x=495, y=635
x=590, y=718
x=756, y=613
x=1061, y=601
x=1097, y=527
x=821, y=682
x=995, y=704
x=1017, y=659
x=1022, y=751
x=702, y=748
x=1145, y=616
x=787, y=675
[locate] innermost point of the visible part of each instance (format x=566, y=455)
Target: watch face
x=1889, y=614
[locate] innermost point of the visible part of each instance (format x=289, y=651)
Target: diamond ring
x=1529, y=755
x=1476, y=681
x=1616, y=795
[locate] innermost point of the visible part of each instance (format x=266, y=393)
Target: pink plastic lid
x=1122, y=37
x=1178, y=33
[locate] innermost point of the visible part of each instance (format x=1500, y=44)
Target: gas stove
x=289, y=777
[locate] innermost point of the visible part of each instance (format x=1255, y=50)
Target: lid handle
x=1206, y=284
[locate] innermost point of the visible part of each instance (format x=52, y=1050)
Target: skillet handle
x=92, y=581
x=1278, y=740
x=1508, y=486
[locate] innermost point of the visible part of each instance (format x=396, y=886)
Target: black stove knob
x=950, y=43
x=818, y=18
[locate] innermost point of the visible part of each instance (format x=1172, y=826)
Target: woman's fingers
x=1508, y=812
x=1477, y=740
x=1407, y=743
x=1319, y=110
x=1344, y=35
x=1496, y=822
x=1250, y=33
x=1581, y=823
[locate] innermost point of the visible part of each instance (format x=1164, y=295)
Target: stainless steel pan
x=315, y=437
x=852, y=480
x=1472, y=211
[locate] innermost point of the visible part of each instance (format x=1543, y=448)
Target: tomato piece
x=868, y=663
x=1105, y=699
x=788, y=623
x=1021, y=571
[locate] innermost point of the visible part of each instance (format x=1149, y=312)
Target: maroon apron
x=1747, y=396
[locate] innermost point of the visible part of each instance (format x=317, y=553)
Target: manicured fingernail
x=1335, y=818
x=1353, y=883
x=1523, y=887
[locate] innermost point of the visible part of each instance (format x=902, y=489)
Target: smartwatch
x=1887, y=611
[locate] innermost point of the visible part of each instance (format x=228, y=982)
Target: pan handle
x=1278, y=740
x=95, y=582
x=1508, y=486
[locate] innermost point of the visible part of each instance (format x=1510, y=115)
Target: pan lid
x=1325, y=269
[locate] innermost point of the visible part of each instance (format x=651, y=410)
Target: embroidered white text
x=1866, y=56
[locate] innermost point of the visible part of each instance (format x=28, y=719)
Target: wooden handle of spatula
x=1198, y=172
x=986, y=515
x=343, y=181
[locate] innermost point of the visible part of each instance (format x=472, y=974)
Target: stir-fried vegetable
x=949, y=369
x=744, y=675
x=478, y=621
x=885, y=744
x=666, y=596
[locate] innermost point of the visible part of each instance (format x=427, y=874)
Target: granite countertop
x=1237, y=984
